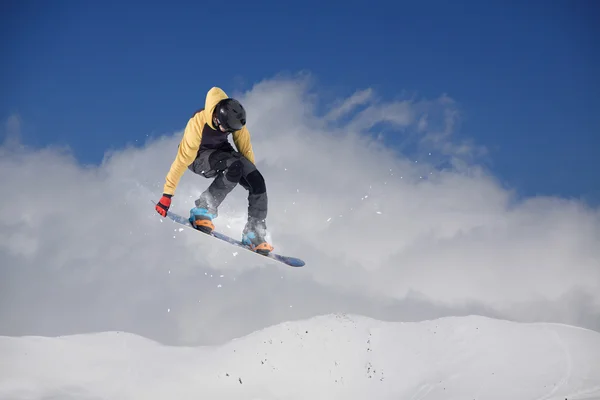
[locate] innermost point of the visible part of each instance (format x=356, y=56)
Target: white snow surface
x=325, y=357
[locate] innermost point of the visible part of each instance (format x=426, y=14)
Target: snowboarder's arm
x=186, y=153
x=241, y=139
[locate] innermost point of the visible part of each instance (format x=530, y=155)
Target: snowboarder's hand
x=163, y=205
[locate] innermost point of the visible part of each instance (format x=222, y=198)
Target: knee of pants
x=234, y=172
x=256, y=182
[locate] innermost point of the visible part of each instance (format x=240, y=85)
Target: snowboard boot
x=201, y=219
x=253, y=236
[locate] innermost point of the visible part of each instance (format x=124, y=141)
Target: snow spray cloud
x=384, y=234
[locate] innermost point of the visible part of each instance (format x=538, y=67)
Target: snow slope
x=326, y=357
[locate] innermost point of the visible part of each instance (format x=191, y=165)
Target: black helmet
x=230, y=114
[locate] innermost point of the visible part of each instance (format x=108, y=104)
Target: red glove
x=163, y=205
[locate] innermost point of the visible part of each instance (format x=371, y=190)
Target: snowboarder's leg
x=255, y=230
x=226, y=168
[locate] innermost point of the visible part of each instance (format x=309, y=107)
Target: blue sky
x=97, y=75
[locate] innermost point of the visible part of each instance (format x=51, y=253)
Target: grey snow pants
x=229, y=168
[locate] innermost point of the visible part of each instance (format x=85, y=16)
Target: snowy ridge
x=326, y=357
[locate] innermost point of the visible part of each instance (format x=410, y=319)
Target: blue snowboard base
x=291, y=261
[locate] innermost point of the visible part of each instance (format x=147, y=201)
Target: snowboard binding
x=256, y=243
x=201, y=220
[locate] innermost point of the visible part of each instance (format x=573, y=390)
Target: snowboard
x=290, y=261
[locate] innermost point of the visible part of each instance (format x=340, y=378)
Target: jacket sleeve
x=186, y=153
x=241, y=139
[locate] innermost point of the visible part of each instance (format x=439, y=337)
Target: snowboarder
x=205, y=150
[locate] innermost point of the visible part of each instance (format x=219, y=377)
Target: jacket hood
x=213, y=97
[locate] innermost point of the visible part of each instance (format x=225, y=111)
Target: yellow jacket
x=192, y=137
